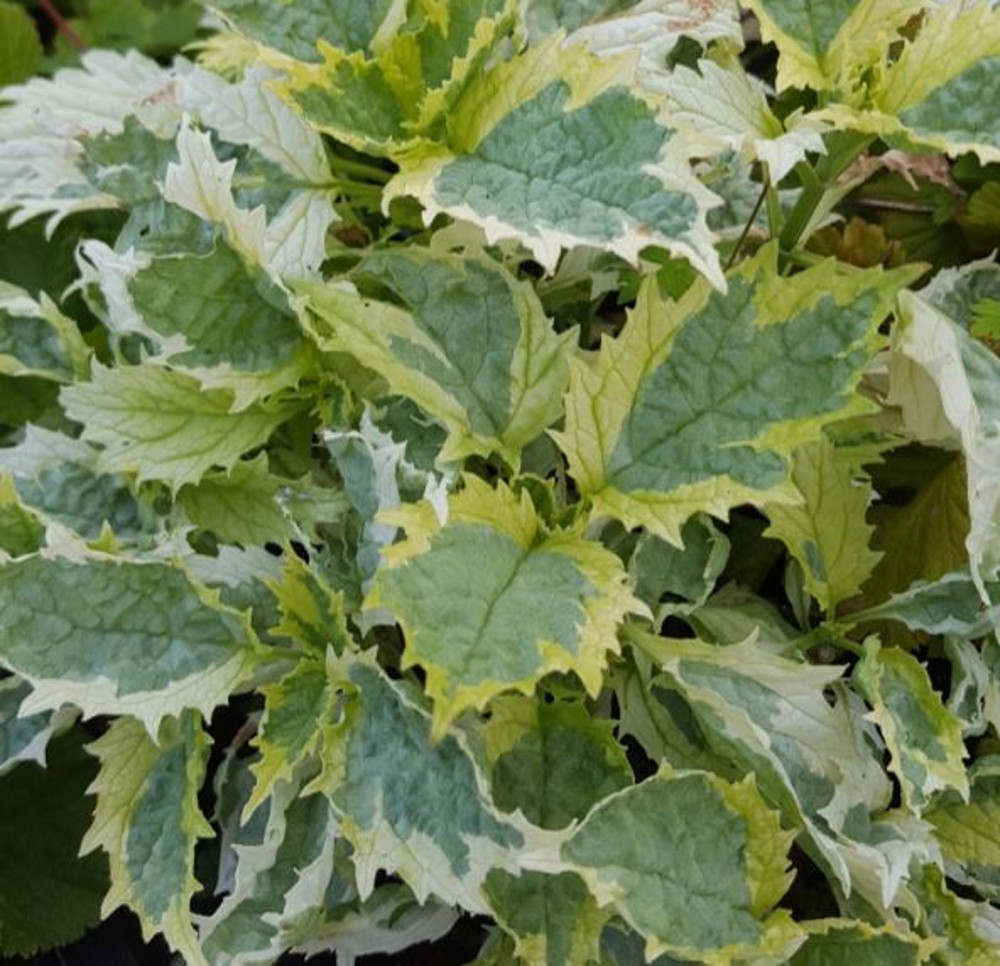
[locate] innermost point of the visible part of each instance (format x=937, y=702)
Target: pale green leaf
x=698, y=404
x=461, y=337
x=554, y=919
x=947, y=383
x=147, y=820
x=39, y=127
x=969, y=832
x=827, y=533
x=160, y=424
x=291, y=871
x=961, y=293
x=772, y=716
x=291, y=244
x=552, y=760
x=251, y=113
x=460, y=591
x=970, y=930
x=949, y=605
x=290, y=735
x=407, y=805
x=21, y=531
x=826, y=44
x=924, y=738
x=729, y=107
x=554, y=149
x=114, y=637
x=974, y=692
x=48, y=895
x=241, y=506
x=693, y=863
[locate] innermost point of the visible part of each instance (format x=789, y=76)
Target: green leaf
x=691, y=862
x=772, y=716
x=56, y=477
x=947, y=383
x=827, y=533
x=48, y=895
x=554, y=919
x=460, y=591
x=36, y=339
x=461, y=337
x=924, y=538
x=924, y=738
x=313, y=614
x=21, y=531
x=551, y=760
x=241, y=506
x=408, y=805
x=294, y=28
x=290, y=735
x=969, y=832
x=660, y=568
x=605, y=174
x=20, y=48
x=147, y=820
x=842, y=940
x=115, y=637
x=161, y=425
x=698, y=404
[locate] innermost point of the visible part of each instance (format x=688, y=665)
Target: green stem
x=360, y=169
x=843, y=148
x=746, y=228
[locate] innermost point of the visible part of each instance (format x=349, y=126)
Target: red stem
x=59, y=22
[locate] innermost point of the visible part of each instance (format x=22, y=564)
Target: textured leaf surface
x=26, y=738
x=160, y=424
x=48, y=894
x=838, y=940
x=554, y=149
x=772, y=716
x=114, y=637
x=695, y=865
x=460, y=591
x=553, y=918
x=410, y=805
x=147, y=820
x=827, y=534
x=291, y=730
x=698, y=403
x=551, y=760
x=461, y=337
x=923, y=737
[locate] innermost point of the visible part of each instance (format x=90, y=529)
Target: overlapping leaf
x=923, y=736
x=694, y=864
x=147, y=820
x=946, y=383
x=699, y=403
x=408, y=805
x=114, y=637
x=460, y=590
x=461, y=337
